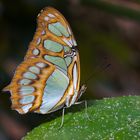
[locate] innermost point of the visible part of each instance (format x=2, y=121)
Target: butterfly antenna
x=98, y=70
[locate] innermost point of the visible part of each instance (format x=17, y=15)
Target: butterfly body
x=49, y=76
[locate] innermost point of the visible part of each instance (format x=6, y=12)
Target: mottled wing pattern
x=50, y=72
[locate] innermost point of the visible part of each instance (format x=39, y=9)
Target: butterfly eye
x=83, y=88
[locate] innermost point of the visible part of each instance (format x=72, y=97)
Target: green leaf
x=111, y=119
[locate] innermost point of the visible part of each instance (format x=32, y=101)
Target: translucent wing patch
x=55, y=88
x=53, y=46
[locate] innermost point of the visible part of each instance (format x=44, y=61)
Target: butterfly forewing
x=51, y=68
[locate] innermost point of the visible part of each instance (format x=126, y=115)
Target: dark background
x=107, y=32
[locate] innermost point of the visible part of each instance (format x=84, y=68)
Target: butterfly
x=48, y=79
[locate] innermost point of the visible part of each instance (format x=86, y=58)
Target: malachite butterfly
x=49, y=76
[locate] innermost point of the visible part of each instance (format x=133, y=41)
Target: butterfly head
x=82, y=90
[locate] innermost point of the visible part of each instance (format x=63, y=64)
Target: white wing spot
x=38, y=41
x=43, y=32
x=67, y=42
x=71, y=41
x=29, y=75
x=46, y=18
x=41, y=65
x=26, y=108
x=36, y=52
x=74, y=42
x=25, y=82
x=25, y=90
x=34, y=69
x=41, y=11
x=69, y=30
x=51, y=15
x=27, y=99
x=38, y=15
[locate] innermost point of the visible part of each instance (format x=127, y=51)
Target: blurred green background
x=107, y=32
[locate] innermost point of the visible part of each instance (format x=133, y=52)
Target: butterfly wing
x=50, y=70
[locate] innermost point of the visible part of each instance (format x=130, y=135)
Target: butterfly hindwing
x=28, y=83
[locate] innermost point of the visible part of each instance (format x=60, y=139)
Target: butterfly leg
x=86, y=105
x=63, y=115
x=68, y=104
